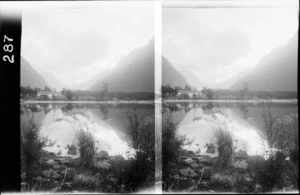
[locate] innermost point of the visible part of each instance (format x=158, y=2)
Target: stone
x=258, y=188
x=72, y=150
x=51, y=174
x=241, y=154
x=240, y=164
x=188, y=161
x=101, y=155
x=204, y=161
x=211, y=149
x=56, y=166
x=38, y=178
x=103, y=165
x=188, y=172
x=50, y=162
x=225, y=180
x=66, y=162
x=248, y=178
x=196, y=165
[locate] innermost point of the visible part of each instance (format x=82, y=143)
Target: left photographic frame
x=85, y=89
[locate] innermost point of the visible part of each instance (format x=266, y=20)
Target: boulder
x=188, y=161
x=188, y=172
x=51, y=174
x=72, y=150
x=240, y=164
x=66, y=162
x=56, y=166
x=204, y=160
x=50, y=162
x=241, y=154
x=211, y=149
x=257, y=188
x=223, y=179
x=103, y=165
x=102, y=155
x=197, y=165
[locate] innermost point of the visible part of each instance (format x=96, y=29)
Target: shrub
x=140, y=172
x=31, y=144
x=171, y=149
x=86, y=144
x=224, y=142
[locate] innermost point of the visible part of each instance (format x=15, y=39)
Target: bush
x=86, y=144
x=140, y=172
x=281, y=134
x=171, y=149
x=31, y=145
x=224, y=142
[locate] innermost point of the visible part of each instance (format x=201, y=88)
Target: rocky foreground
x=201, y=173
x=65, y=174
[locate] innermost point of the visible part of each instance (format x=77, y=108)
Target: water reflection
x=107, y=123
x=243, y=120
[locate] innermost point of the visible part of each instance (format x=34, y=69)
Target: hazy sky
x=218, y=43
x=74, y=44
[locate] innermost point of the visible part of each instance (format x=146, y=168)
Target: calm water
x=244, y=120
x=107, y=122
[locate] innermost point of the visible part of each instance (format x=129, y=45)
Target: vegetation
x=224, y=142
x=142, y=139
x=208, y=92
x=86, y=145
x=282, y=137
x=31, y=148
x=68, y=93
x=168, y=90
x=171, y=149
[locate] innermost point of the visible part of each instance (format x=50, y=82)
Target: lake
x=107, y=122
x=243, y=120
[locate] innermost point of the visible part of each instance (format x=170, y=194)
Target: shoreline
x=233, y=101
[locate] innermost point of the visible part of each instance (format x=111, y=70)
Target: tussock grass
x=224, y=141
x=86, y=144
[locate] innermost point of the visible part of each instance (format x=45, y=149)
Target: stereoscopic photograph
x=153, y=97
x=230, y=109
x=87, y=98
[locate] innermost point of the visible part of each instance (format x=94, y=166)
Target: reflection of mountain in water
x=107, y=123
x=243, y=119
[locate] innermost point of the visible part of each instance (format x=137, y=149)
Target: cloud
x=85, y=49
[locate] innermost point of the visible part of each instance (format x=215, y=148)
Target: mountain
x=171, y=76
x=31, y=77
x=88, y=84
x=134, y=73
x=277, y=71
x=52, y=81
x=192, y=79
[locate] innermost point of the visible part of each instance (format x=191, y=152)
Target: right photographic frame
x=229, y=97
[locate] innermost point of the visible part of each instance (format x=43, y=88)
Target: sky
x=76, y=43
x=217, y=44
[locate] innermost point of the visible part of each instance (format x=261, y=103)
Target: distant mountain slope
x=277, y=71
x=171, y=76
x=192, y=79
x=31, y=77
x=52, y=81
x=134, y=73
